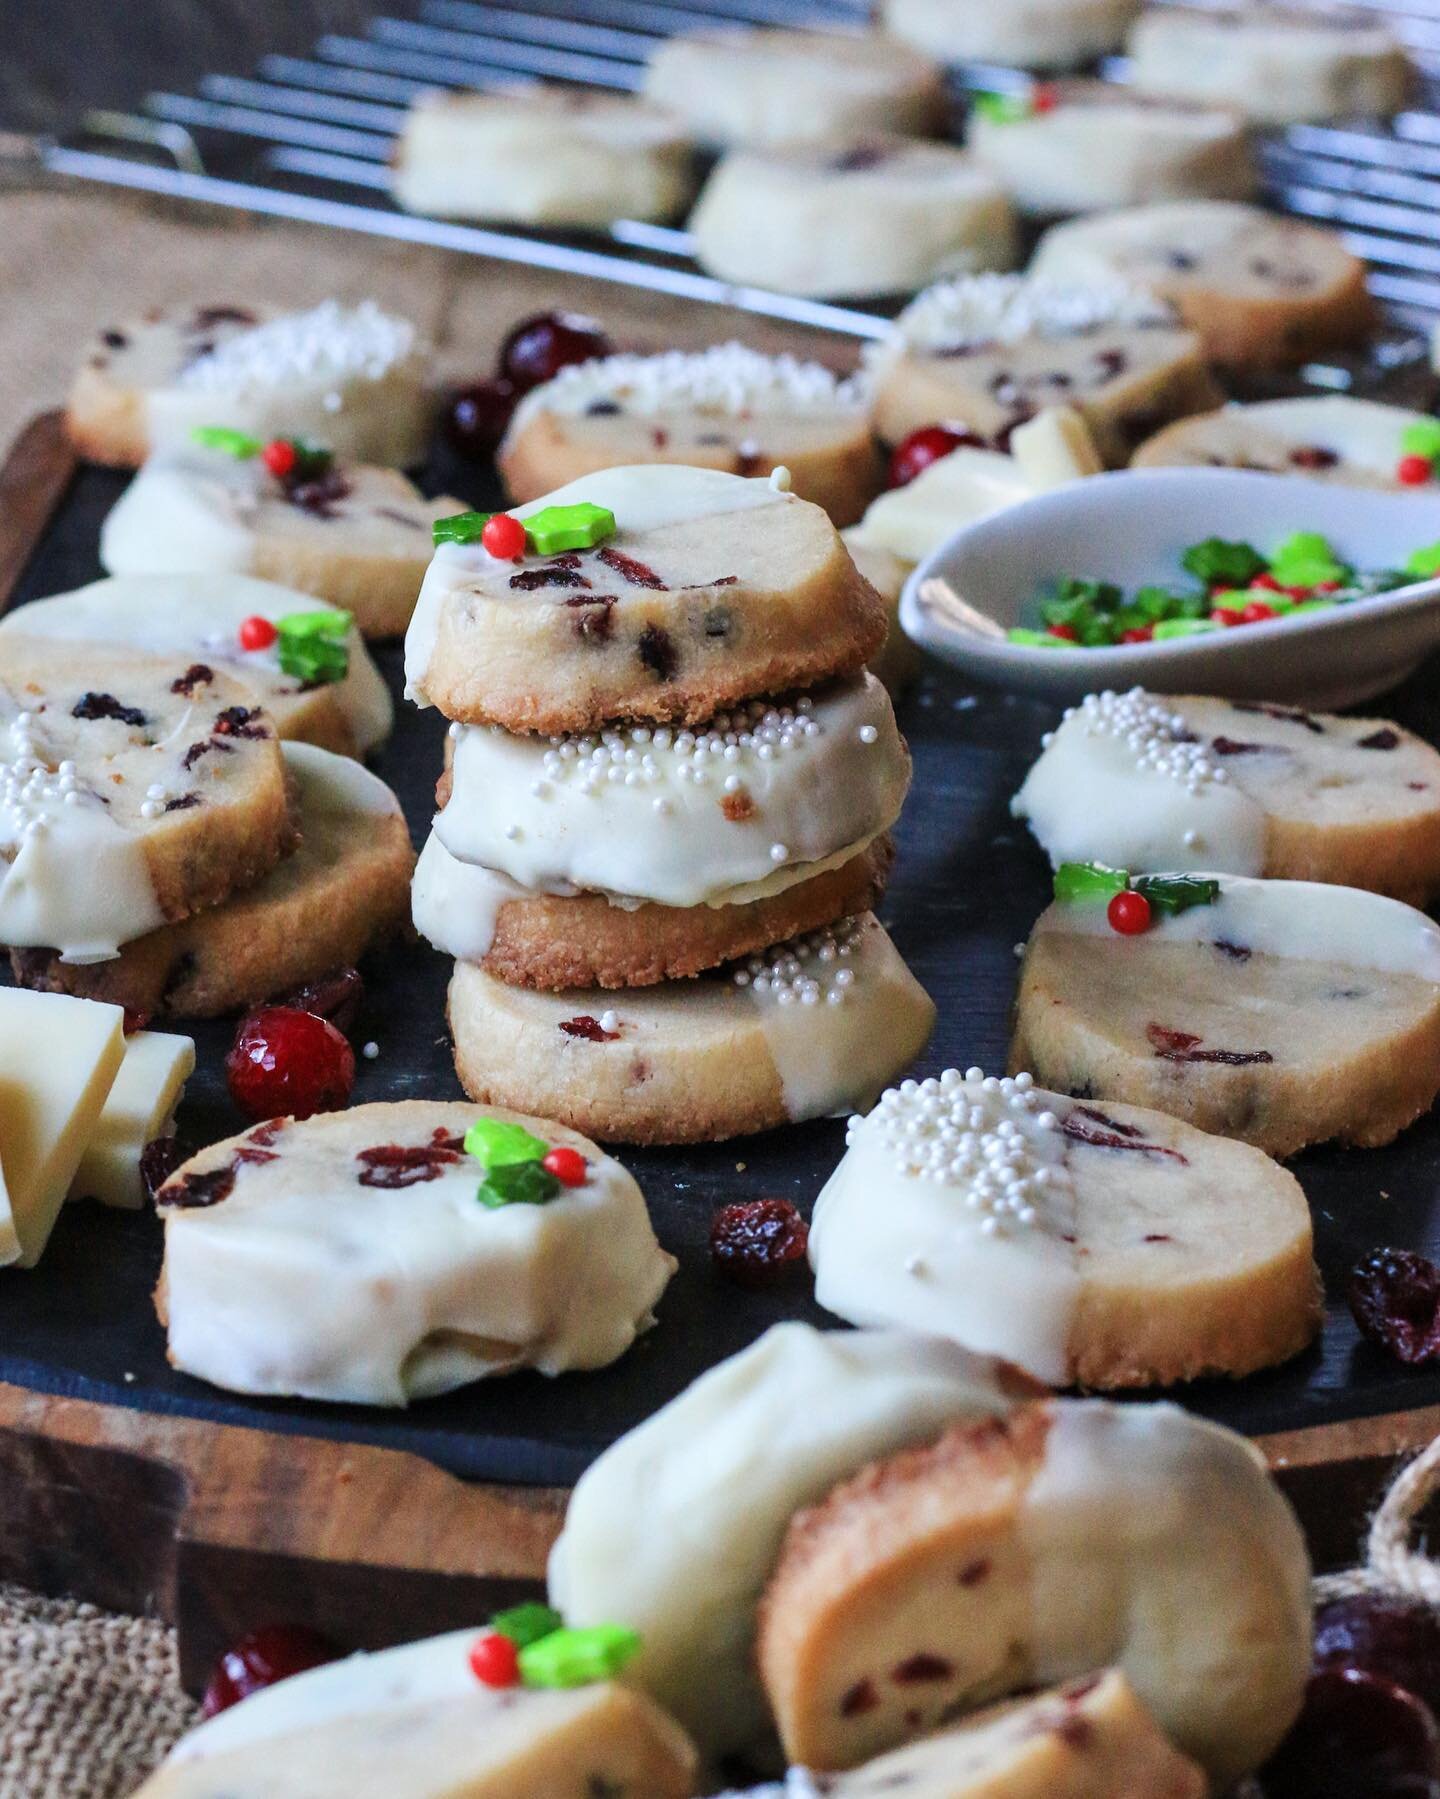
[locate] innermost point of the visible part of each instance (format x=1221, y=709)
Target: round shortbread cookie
x=353, y=1256
x=989, y=352
x=1279, y=65
x=806, y=1029
x=357, y=537
x=1066, y=1537
x=1284, y=1013
x=1092, y=1247
x=727, y=408
x=529, y=939
x=349, y=377
x=541, y=155
x=1328, y=437
x=761, y=87
x=345, y=889
x=852, y=218
x=712, y=589
x=132, y=793
x=1145, y=782
x=1261, y=290
x=1095, y=145
x=1027, y=34
x=197, y=617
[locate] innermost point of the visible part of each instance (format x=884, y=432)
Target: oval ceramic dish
x=1132, y=527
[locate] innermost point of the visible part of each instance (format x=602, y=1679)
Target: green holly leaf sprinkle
x=1186, y=627
x=314, y=646
x=497, y=1143
x=1305, y=559
x=1001, y=109
x=1424, y=563
x=578, y=1657
x=1228, y=564
x=238, y=444
x=461, y=527
x=1038, y=640
x=526, y=1624
x=1081, y=881
x=1170, y=895
x=555, y=529
x=518, y=1184
x=1422, y=439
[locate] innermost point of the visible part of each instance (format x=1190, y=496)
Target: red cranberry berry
x=567, y=1165
x=1414, y=471
x=925, y=446
x=1129, y=913
x=289, y=1063
x=504, y=537
x=256, y=633
x=263, y=1658
x=281, y=458
x=1356, y=1734
x=758, y=1241
x=1256, y=613
x=540, y=346
x=495, y=1660
x=1394, y=1295
x=1398, y=1639
x=477, y=417
x=337, y=997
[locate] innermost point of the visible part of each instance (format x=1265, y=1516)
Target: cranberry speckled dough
x=1031, y=34
x=1329, y=437
x=713, y=589
x=1262, y=291
x=1283, y=1013
x=852, y=217
x=988, y=352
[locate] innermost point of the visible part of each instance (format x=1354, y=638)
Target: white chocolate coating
x=455, y=905
x=966, y=485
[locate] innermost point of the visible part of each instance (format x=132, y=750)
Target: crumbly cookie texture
x=1329, y=437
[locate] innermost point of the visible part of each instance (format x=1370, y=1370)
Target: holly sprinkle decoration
x=460, y=527
x=555, y=529
x=1129, y=913
x=520, y=1168
x=314, y=646
x=1421, y=459
x=256, y=632
x=530, y=1645
x=238, y=444
x=504, y=537
x=290, y=460
x=1015, y=109
x=1132, y=902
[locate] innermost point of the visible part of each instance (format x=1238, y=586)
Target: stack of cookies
x=665, y=813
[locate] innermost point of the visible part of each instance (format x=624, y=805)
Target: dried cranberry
x=1360, y=1735
x=923, y=447
x=1394, y=1295
x=263, y=1658
x=286, y=1062
x=758, y=1241
x=1398, y=1639
x=395, y=1165
x=1313, y=456
x=478, y=416
x=540, y=346
x=638, y=574
x=587, y=1027
x=105, y=705
x=334, y=996
x=192, y=1192
x=158, y=1161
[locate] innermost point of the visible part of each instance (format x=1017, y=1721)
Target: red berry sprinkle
x=289, y=1063
x=495, y=1660
x=758, y=1241
x=1068, y=632
x=1129, y=913
x=280, y=456
x=504, y=537
x=1257, y=612
x=1414, y=471
x=1268, y=582
x=266, y=1656
x=567, y=1165
x=256, y=633
x=1044, y=96
x=921, y=448
x=1138, y=634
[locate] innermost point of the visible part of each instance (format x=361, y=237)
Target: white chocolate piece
x=1030, y=34
x=956, y=490
x=139, y=1108
x=1055, y=447
x=58, y=1060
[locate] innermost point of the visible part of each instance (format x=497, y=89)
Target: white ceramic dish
x=1132, y=527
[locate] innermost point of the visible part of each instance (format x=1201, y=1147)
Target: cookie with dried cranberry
x=1283, y=1013
x=727, y=408
x=344, y=890
x=1262, y=291
x=393, y=1252
x=705, y=590
x=1030, y=34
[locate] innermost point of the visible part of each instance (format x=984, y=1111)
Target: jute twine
x=1391, y=1564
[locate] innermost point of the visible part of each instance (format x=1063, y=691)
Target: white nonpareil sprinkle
x=370, y=1051
x=1007, y=309
x=610, y=1021
x=330, y=343
x=33, y=783
x=816, y=969
x=1160, y=738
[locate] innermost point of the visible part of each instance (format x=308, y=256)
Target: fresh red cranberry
x=289, y=1063
x=263, y=1658
x=567, y=1165
x=1394, y=1295
x=281, y=458
x=256, y=633
x=504, y=537
x=1414, y=471
x=495, y=1659
x=337, y=997
x=757, y=1242
x=1398, y=1639
x=478, y=416
x=1129, y=914
x=925, y=446
x=1357, y=1734
x=539, y=347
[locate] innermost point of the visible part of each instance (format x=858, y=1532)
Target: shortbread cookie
x=712, y=589
x=807, y=1029
x=541, y=156
x=1093, y=145
x=1281, y=1012
x=344, y=890
x=1261, y=290
x=989, y=352
x=133, y=791
x=725, y=408
x=1279, y=65
x=1029, y=34
x=198, y=618
x=529, y=939
x=356, y=537
x=1147, y=782
x=1328, y=437
x=762, y=87
x=349, y=377
x=368, y=1257
x=852, y=217
x=1094, y=1247
x=1065, y=1537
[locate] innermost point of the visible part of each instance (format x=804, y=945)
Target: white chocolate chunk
x=958, y=489
x=1055, y=447
x=140, y=1107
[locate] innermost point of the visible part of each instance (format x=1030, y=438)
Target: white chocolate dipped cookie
x=852, y=217
x=1282, y=1013
x=805, y=1029
x=989, y=352
x=369, y=1257
x=711, y=589
x=352, y=378
x=1262, y=291
x=1099, y=1248
x=197, y=619
x=357, y=537
x=133, y=791
x=541, y=155
x=727, y=407
x=1280, y=65
x=1142, y=781
x=1329, y=437
x=762, y=87
x=1028, y=34
x=342, y=891
x=1086, y=146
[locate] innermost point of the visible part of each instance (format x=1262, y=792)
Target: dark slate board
x=969, y=883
